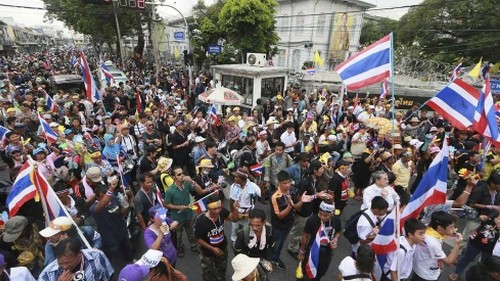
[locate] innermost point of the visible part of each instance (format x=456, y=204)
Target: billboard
x=341, y=36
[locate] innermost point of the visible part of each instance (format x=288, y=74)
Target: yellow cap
x=232, y=118
x=11, y=109
x=279, y=97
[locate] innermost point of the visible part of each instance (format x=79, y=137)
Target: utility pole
x=115, y=3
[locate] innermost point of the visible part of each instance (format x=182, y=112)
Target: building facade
x=330, y=27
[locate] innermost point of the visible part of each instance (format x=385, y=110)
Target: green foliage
x=244, y=26
x=447, y=30
x=94, y=20
x=372, y=31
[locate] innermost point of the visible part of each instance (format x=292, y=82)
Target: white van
x=118, y=75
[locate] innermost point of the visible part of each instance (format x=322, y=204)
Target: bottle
x=168, y=228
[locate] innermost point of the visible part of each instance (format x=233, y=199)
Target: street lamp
x=115, y=3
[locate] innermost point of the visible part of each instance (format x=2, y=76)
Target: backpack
x=351, y=226
x=238, y=157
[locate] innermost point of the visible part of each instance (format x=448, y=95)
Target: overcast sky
x=31, y=17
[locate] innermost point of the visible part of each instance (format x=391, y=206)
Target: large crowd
x=135, y=176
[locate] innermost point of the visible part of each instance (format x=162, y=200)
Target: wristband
x=301, y=251
x=466, y=192
x=314, y=197
x=489, y=207
x=210, y=189
x=109, y=193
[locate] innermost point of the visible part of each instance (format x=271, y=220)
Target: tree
x=374, y=30
x=447, y=30
x=96, y=21
x=249, y=24
x=241, y=25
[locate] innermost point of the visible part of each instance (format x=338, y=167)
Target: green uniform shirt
x=177, y=196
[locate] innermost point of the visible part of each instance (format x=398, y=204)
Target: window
x=271, y=86
x=299, y=23
x=281, y=57
x=320, y=25
x=296, y=59
x=242, y=85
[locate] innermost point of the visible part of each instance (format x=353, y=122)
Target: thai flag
x=432, y=188
x=385, y=89
x=456, y=72
x=457, y=102
x=497, y=110
x=201, y=205
x=50, y=102
x=258, y=169
x=313, y=260
x=485, y=121
x=47, y=194
x=107, y=74
x=49, y=134
x=195, y=110
x=311, y=71
x=138, y=101
x=73, y=61
x=22, y=190
x=90, y=85
x=120, y=171
x=213, y=116
x=369, y=66
x=385, y=241
x=3, y=131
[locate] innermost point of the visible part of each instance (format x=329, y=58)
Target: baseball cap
x=57, y=225
x=133, y=272
x=94, y=174
x=151, y=258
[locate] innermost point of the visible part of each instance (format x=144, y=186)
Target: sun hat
x=14, y=228
x=57, y=225
x=397, y=146
x=164, y=163
x=94, y=174
x=325, y=157
x=237, y=108
x=414, y=119
x=243, y=265
x=133, y=272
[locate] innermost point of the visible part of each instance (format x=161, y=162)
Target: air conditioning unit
x=256, y=59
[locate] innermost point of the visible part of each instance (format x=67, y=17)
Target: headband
x=215, y=204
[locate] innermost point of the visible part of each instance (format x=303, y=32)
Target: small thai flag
x=49, y=134
x=200, y=206
x=107, y=74
x=456, y=72
x=258, y=169
x=213, y=116
x=311, y=71
x=90, y=85
x=50, y=102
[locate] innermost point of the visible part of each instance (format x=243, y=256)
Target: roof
x=357, y=3
x=251, y=70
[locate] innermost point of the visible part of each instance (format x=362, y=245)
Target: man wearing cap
x=331, y=225
x=367, y=114
x=73, y=263
x=339, y=185
x=209, y=234
x=133, y=272
x=411, y=129
x=85, y=188
x=199, y=149
x=263, y=148
x=236, y=114
x=243, y=194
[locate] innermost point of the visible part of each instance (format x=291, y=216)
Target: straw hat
x=205, y=163
x=164, y=164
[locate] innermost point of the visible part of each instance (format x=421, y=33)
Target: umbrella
x=383, y=125
x=221, y=95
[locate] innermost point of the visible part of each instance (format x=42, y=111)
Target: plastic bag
x=298, y=272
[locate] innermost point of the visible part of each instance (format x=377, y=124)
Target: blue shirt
x=96, y=267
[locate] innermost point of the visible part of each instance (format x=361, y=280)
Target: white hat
x=198, y=139
x=397, y=146
x=416, y=143
x=433, y=129
x=151, y=258
x=350, y=107
x=263, y=132
x=243, y=265
x=54, y=124
x=332, y=138
x=57, y=225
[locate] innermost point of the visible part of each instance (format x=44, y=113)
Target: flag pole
x=44, y=205
x=190, y=205
x=393, y=101
x=398, y=234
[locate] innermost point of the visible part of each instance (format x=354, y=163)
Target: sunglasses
x=178, y=175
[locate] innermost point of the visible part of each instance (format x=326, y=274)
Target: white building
x=331, y=27
x=173, y=44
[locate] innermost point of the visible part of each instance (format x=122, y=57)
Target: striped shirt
x=96, y=267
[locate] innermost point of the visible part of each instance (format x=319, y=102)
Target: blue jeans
x=470, y=254
x=279, y=237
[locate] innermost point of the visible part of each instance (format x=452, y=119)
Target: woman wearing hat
x=158, y=235
x=331, y=225
x=203, y=176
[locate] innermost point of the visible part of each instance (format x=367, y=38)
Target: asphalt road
x=189, y=264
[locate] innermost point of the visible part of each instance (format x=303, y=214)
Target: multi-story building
x=330, y=27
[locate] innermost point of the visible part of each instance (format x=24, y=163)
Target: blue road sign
x=214, y=49
x=495, y=86
x=179, y=36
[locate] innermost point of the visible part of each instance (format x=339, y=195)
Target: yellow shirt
x=402, y=173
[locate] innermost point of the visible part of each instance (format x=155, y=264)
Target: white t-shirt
x=364, y=228
x=244, y=195
x=260, y=148
x=428, y=258
x=348, y=268
x=288, y=139
x=496, y=249
x=405, y=259
x=372, y=191
x=21, y=273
